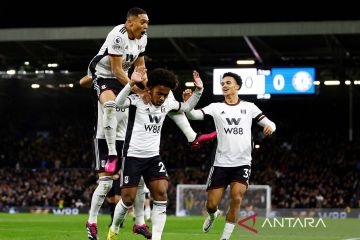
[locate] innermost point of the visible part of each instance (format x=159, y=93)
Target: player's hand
x=267, y=130
x=186, y=94
x=138, y=74
x=197, y=80
x=116, y=176
x=145, y=95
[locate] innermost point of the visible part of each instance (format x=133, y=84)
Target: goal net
x=191, y=198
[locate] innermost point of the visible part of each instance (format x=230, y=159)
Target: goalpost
x=191, y=198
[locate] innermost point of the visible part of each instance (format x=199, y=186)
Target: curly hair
x=161, y=76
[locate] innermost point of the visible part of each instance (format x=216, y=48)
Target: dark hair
x=135, y=11
x=161, y=76
x=235, y=76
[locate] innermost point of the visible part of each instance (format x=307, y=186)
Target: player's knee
x=160, y=195
x=106, y=185
x=128, y=199
x=109, y=119
x=236, y=201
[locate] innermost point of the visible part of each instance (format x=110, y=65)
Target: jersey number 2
x=162, y=167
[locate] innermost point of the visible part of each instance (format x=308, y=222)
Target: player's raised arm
x=195, y=96
x=137, y=76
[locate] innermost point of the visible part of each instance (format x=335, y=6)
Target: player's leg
x=104, y=185
x=182, y=122
x=216, y=184
x=212, y=202
x=106, y=91
x=239, y=182
x=131, y=174
x=156, y=179
x=139, y=204
x=158, y=189
x=110, y=122
x=147, y=207
x=139, y=226
x=237, y=191
x=127, y=200
x=114, y=195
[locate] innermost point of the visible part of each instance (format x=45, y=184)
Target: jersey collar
x=232, y=104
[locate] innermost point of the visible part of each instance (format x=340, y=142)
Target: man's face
x=138, y=25
x=229, y=86
x=159, y=94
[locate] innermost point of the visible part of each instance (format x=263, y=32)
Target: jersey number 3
x=246, y=173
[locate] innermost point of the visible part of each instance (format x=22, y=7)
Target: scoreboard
x=271, y=81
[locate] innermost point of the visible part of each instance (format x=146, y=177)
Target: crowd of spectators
x=46, y=159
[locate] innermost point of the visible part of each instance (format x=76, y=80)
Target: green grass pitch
x=72, y=227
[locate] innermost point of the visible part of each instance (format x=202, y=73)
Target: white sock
x=183, y=123
x=147, y=212
x=98, y=197
x=110, y=123
x=139, y=204
x=119, y=215
x=228, y=229
x=158, y=219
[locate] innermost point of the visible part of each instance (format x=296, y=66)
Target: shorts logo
x=126, y=179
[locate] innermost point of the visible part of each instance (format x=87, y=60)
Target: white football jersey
x=233, y=125
x=121, y=116
x=144, y=126
x=117, y=43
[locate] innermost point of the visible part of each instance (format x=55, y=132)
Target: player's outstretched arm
x=193, y=114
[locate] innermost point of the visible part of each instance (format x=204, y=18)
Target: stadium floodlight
x=245, y=62
x=347, y=82
x=190, y=84
x=317, y=83
x=53, y=65
x=332, y=82
x=191, y=198
x=11, y=72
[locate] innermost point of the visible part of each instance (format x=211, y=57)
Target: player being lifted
x=232, y=166
x=142, y=143
x=124, y=46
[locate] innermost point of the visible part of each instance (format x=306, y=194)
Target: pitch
x=72, y=227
